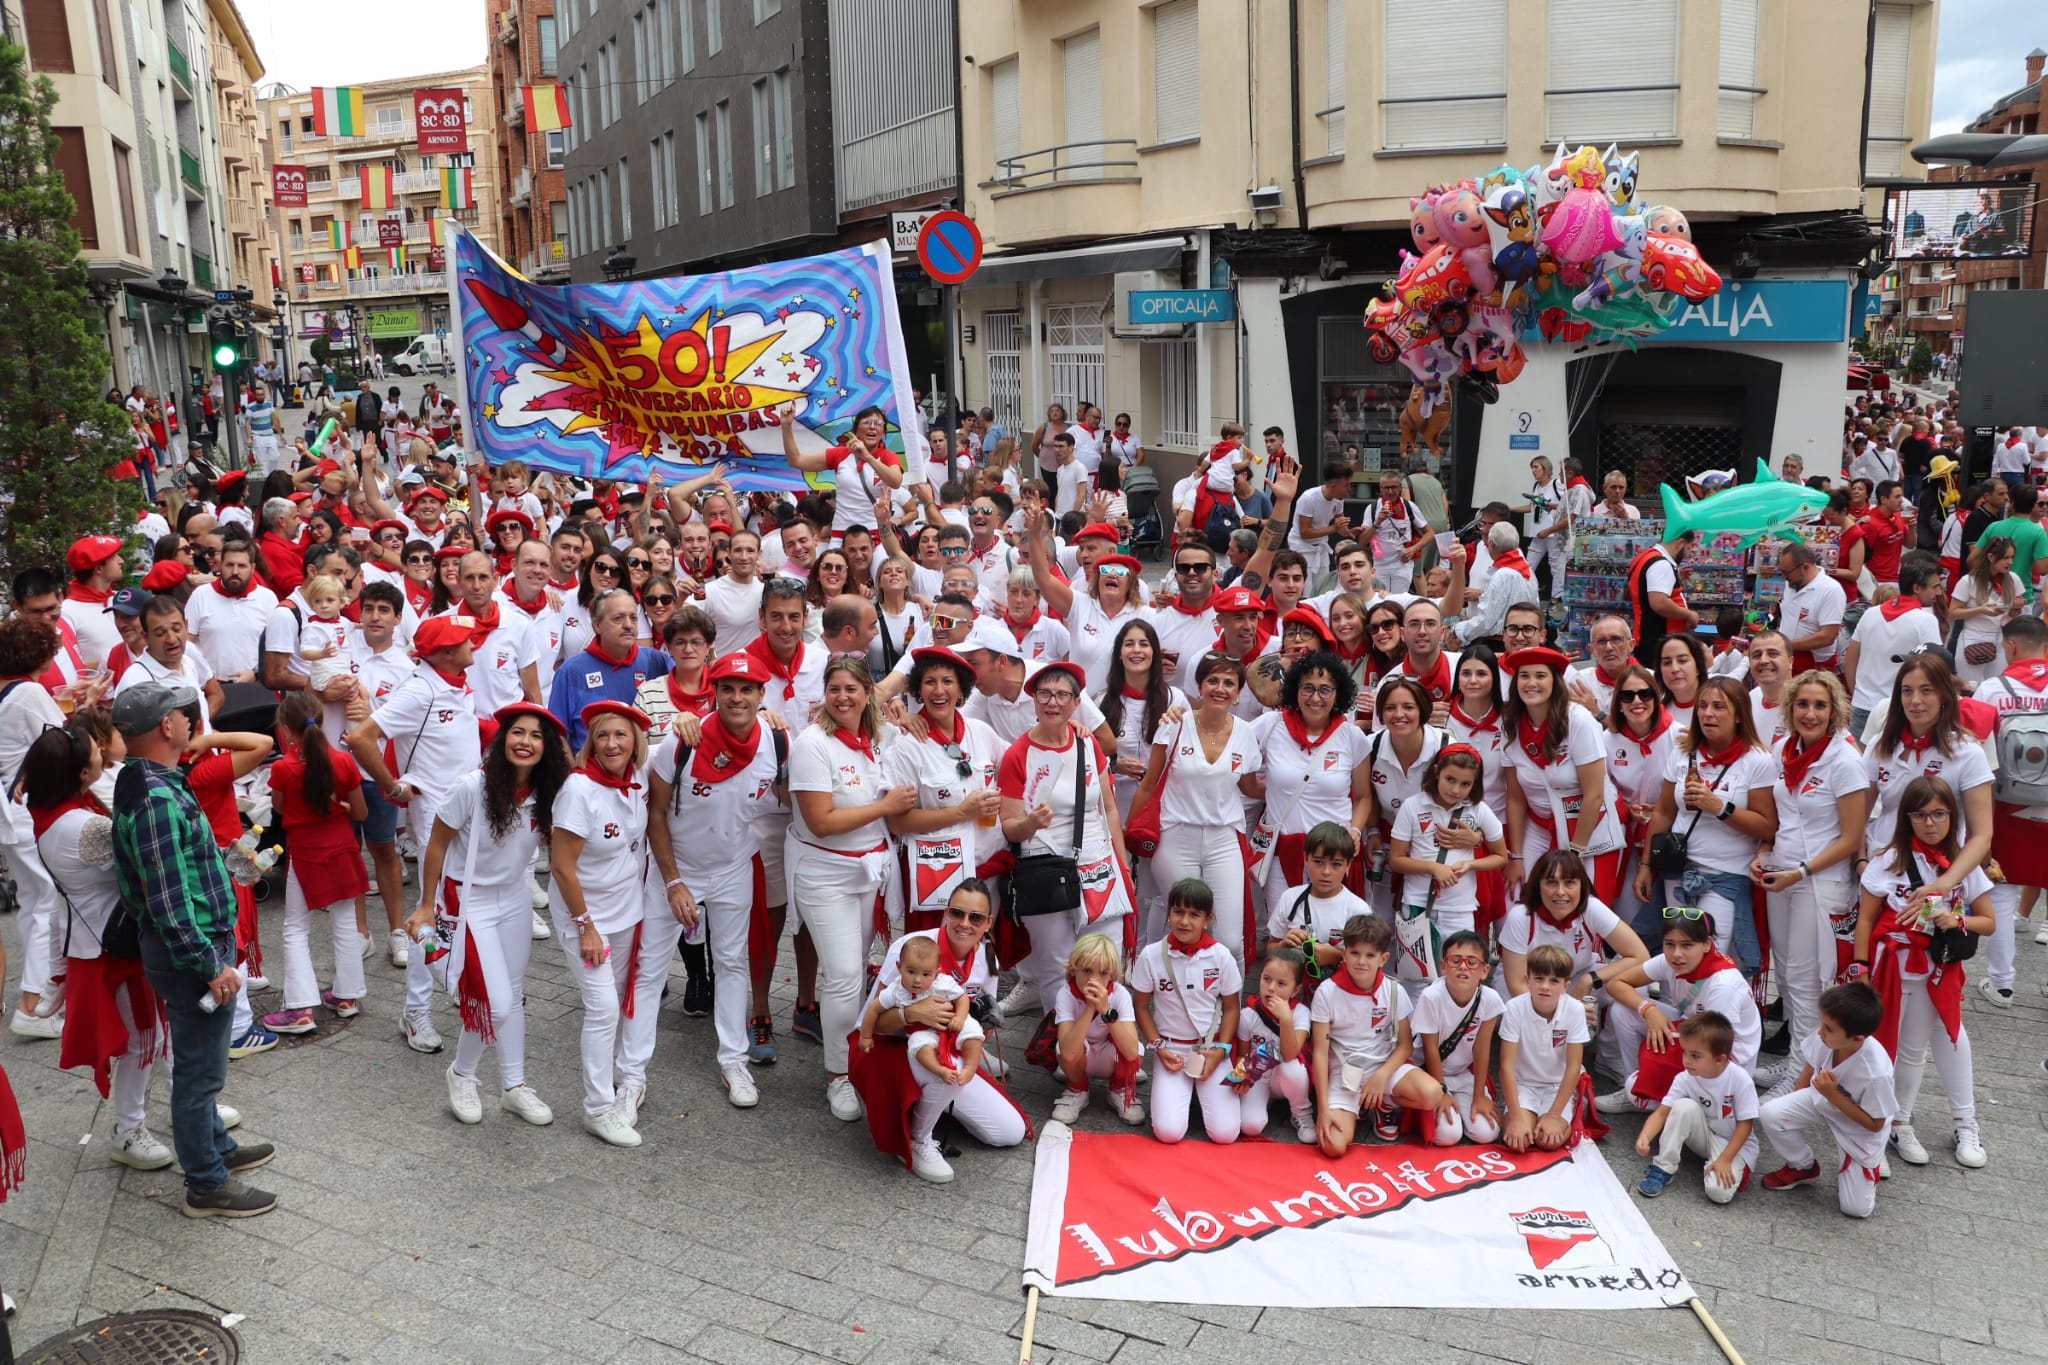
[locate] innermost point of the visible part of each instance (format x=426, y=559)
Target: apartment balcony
x=225, y=66
x=202, y=272
x=515, y=113
x=190, y=171
x=237, y=144
x=298, y=240
x=181, y=67
x=391, y=130
x=406, y=182
x=549, y=258
x=1040, y=194
x=435, y=283
x=241, y=218
x=522, y=187
x=508, y=27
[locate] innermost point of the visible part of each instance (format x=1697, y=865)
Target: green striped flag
x=458, y=188
x=339, y=237
x=338, y=111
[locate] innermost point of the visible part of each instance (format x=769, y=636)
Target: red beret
x=301, y=496
x=1066, y=666
x=503, y=515
x=941, y=654
x=1540, y=654
x=230, y=479
x=599, y=709
x=1100, y=530
x=169, y=574
x=505, y=715
x=428, y=491
x=91, y=552
x=450, y=552
x=442, y=632
x=326, y=467
x=387, y=525
x=742, y=666
x=1237, y=599
x=1313, y=619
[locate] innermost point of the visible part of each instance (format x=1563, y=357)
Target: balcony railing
x=405, y=182
x=424, y=283
x=181, y=69
x=236, y=144
x=1066, y=164
x=189, y=170
x=298, y=240
x=549, y=256
x=522, y=187
x=241, y=218
x=912, y=157
x=225, y=66
x=202, y=272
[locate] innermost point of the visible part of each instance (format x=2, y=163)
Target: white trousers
x=36, y=896
x=1453, y=1128
x=1288, y=1081
x=420, y=978
x=1395, y=573
x=497, y=927
x=129, y=1078
x=1098, y=1063
x=1173, y=1096
x=602, y=988
x=836, y=902
x=2000, y=951
x=1052, y=938
x=1213, y=854
x=263, y=447
x=301, y=985
x=1921, y=1032
x=726, y=901
x=1783, y=1121
x=1686, y=1130
x=660, y=932
x=1803, y=948
x=978, y=1105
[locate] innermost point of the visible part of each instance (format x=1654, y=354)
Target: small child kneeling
x=1542, y=1054
x=1710, y=1108
x=1455, y=1020
x=1098, y=1031
x=1185, y=1014
x=1359, y=1032
x=952, y=1052
x=1845, y=1082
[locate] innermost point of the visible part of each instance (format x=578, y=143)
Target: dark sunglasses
x=660, y=600
x=1194, y=568
x=419, y=559
x=1629, y=694
x=637, y=563
x=971, y=917
x=604, y=566
x=1386, y=625
x=960, y=763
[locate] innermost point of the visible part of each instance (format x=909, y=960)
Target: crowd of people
x=1342, y=834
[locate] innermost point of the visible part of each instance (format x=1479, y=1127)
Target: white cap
x=993, y=636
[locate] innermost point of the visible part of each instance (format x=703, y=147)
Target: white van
x=428, y=354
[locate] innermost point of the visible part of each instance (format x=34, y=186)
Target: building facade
x=1257, y=176
x=701, y=133
x=250, y=249
x=396, y=292
x=533, y=212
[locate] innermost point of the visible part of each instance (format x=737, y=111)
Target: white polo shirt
x=1544, y=1043
x=229, y=630
x=432, y=728
x=1364, y=1025
x=612, y=821
x=1813, y=608
x=1882, y=645
x=1187, y=990
x=712, y=827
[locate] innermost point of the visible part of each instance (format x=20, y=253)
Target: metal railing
x=424, y=283
x=190, y=171
x=911, y=157
x=181, y=68
x=1064, y=164
x=548, y=256
x=405, y=182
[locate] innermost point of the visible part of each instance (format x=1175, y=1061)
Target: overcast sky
x=1984, y=44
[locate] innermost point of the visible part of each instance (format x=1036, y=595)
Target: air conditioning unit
x=1120, y=308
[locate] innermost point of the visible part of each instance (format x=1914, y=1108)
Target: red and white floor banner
x=1398, y=1226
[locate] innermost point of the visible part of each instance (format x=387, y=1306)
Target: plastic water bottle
x=427, y=941
x=208, y=1003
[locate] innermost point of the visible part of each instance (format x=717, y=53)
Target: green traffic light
x=224, y=357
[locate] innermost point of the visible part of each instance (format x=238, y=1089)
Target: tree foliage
x=59, y=437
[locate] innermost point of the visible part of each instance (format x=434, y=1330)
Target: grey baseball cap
x=142, y=708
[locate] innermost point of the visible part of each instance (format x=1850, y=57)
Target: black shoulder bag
x=1945, y=946
x=1670, y=850
x=1050, y=883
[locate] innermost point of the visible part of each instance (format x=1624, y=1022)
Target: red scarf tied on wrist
x=1897, y=952
x=720, y=754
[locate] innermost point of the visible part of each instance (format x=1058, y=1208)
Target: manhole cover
x=171, y=1337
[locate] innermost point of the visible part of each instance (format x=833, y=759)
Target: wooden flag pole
x=1031, y=1324
x=1699, y=1309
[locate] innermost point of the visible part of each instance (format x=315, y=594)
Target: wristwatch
x=1726, y=812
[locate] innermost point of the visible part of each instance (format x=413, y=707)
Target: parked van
x=428, y=354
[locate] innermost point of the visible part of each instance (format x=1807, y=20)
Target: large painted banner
x=1400, y=1226
x=618, y=381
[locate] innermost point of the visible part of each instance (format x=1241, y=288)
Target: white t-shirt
x=1711, y=842
x=1811, y=818
x=1726, y=992
x=735, y=608
x=27, y=711
x=1726, y=1100
x=95, y=628
x=1984, y=629
x=1964, y=770
x=1043, y=641
x=495, y=670
x=1420, y=819
x=1070, y=1007
x=1523, y=931
x=1543, y=1044
x=1134, y=741
x=433, y=729
x=1392, y=785
x=1491, y=742
x=1865, y=1076
x=713, y=831
x=1364, y=1025
x=379, y=673
x=192, y=671
x=1198, y=792
x=499, y=862
x=1882, y=878
x=820, y=762
x=1037, y=775
x=612, y=822
x=229, y=630
x=1771, y=722
x=1638, y=776
x=1813, y=608
x=1437, y=1015
x=925, y=765
x=1300, y=907
x=1091, y=638
x=1087, y=446
x=1070, y=487
x=1318, y=509
x=1184, y=637
x=1011, y=717
x=1882, y=646
x=1187, y=990
x=1305, y=787
x=1585, y=742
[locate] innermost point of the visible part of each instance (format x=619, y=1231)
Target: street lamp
x=619, y=265
x=172, y=283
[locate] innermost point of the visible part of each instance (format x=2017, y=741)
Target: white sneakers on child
x=398, y=949
x=1970, y=1148
x=1131, y=1111
x=927, y=1162
x=463, y=1100
x=139, y=1148
x=1069, y=1105
x=1305, y=1129
x=1621, y=1101
x=1911, y=1150
x=521, y=1101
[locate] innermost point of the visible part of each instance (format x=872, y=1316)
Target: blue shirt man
x=610, y=668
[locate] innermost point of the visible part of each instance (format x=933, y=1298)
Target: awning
x=1106, y=258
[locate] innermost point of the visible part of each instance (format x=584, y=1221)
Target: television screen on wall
x=1961, y=222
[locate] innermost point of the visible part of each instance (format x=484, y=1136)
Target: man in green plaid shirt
x=175, y=882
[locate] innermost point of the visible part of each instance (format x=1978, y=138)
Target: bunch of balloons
x=1564, y=248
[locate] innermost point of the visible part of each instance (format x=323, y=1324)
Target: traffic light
x=229, y=346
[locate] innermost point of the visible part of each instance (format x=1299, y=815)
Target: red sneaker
x=1386, y=1124
x=1785, y=1177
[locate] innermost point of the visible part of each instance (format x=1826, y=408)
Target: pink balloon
x=1579, y=227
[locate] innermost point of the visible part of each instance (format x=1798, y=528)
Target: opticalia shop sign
x=1750, y=311
x=1180, y=305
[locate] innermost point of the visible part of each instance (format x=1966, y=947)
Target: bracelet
x=1642, y=1009
x=672, y=883
x=581, y=921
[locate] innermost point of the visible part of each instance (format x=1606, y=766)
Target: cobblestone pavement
x=776, y=1234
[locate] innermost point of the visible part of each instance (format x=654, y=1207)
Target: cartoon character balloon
x=1461, y=225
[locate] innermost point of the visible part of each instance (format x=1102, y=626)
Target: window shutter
x=1583, y=34
x=1176, y=72
x=1462, y=103
x=1737, y=110
x=1082, y=56
x=76, y=167
x=1333, y=77
x=49, y=36
x=1891, y=57
x=1005, y=133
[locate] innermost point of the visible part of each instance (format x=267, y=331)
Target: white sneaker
x=2041, y=934
x=1022, y=1000
x=1884, y=1166
x=628, y=1102
x=1911, y=1151
x=139, y=1149
x=1069, y=1105
x=256, y=982
x=2000, y=996
x=52, y=1002
x=1617, y=1102
x=541, y=928
x=928, y=1163
x=1768, y=1074
x=36, y=1025
x=610, y=1127
x=739, y=1086
x=522, y=1101
x=1305, y=1129
x=1131, y=1111
x=846, y=1106
x=399, y=948
x=363, y=940
x=538, y=898
x=1970, y=1148
x=463, y=1099
x=230, y=1117
x=420, y=1033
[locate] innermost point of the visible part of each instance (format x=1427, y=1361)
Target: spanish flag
x=437, y=232
x=547, y=107
x=458, y=188
x=379, y=187
x=338, y=111
x=339, y=235
x=353, y=258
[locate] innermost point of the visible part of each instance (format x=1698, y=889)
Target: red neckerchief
x=1800, y=759
x=1579, y=481
x=939, y=737
x=1393, y=509
x=1021, y=631
x=1613, y=679
x=1915, y=745
x=1173, y=945
x=1714, y=961
x=720, y=753
x=1512, y=559
x=1133, y=693
x=1936, y=859
x=1898, y=606
x=486, y=622
x=959, y=968
x=247, y=587
x=690, y=703
x=501, y=560
x=418, y=594
x=1260, y=640
x=1298, y=728
x=765, y=653
x=534, y=608
x=459, y=681
x=78, y=592
x=595, y=649
x=1489, y=721
x=1352, y=655
x=572, y=585
x=1727, y=758
x=699, y=571
x=1721, y=647
x=1180, y=604
x=596, y=773
x=1531, y=738
x=45, y=816
x=1438, y=682
x=1350, y=987
x=860, y=744
x=1648, y=742
x=2031, y=673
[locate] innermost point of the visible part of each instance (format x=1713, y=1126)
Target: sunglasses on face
x=639, y=563
x=660, y=600
x=1195, y=568
x=1379, y=626
x=1115, y=571
x=968, y=916
x=604, y=566
x=1635, y=694
x=947, y=623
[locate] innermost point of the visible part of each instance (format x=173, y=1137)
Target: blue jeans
x=380, y=825
x=199, y=1068
x=1737, y=889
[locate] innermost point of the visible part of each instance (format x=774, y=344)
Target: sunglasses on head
x=1686, y=912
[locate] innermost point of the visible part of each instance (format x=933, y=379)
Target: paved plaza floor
x=777, y=1234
